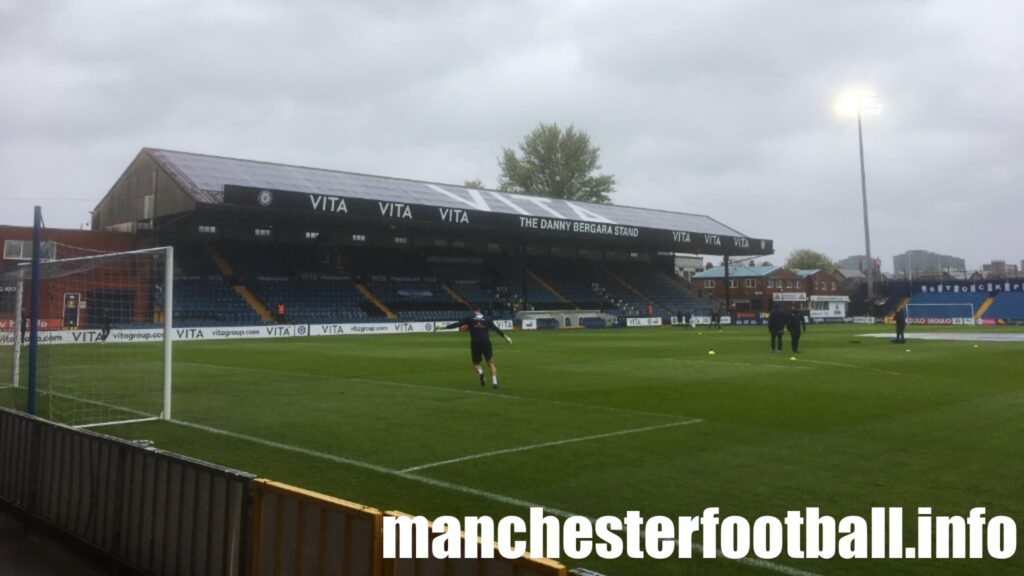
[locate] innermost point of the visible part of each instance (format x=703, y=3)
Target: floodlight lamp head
x=857, y=102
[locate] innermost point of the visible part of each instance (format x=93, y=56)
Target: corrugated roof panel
x=208, y=175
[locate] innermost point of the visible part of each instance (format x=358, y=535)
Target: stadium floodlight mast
x=860, y=103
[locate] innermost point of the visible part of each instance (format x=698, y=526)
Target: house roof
x=737, y=272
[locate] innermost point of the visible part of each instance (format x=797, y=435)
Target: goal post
x=11, y=296
x=100, y=330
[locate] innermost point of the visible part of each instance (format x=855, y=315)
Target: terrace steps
x=634, y=289
x=550, y=288
x=375, y=301
x=984, y=307
x=253, y=302
x=220, y=261
x=228, y=272
x=455, y=295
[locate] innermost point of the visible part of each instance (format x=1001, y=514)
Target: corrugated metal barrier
x=164, y=514
x=157, y=512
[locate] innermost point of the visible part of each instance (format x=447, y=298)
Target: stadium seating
x=315, y=300
x=253, y=260
x=577, y=280
x=202, y=296
x=323, y=284
x=1006, y=306
x=537, y=296
x=467, y=276
x=210, y=300
x=416, y=299
x=192, y=260
x=664, y=291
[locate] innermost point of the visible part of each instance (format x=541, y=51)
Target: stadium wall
x=159, y=513
x=144, y=191
x=151, y=511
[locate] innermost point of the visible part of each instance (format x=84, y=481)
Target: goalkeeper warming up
x=480, y=342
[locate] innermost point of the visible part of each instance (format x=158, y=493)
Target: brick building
x=117, y=291
x=751, y=288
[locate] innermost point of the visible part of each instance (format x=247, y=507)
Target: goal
x=101, y=338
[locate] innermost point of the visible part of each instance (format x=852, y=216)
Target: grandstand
x=412, y=285
x=339, y=247
x=1006, y=306
x=983, y=301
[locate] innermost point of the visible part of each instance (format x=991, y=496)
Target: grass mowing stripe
x=510, y=500
x=546, y=445
x=855, y=367
x=496, y=395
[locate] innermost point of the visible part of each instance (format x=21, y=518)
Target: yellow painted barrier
x=297, y=532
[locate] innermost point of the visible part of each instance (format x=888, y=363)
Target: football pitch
x=606, y=421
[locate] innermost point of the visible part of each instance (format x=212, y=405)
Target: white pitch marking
x=546, y=445
x=511, y=501
x=756, y=562
x=496, y=396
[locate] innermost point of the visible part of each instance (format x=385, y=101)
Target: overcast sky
x=721, y=107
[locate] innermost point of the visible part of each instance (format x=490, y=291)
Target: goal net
x=103, y=336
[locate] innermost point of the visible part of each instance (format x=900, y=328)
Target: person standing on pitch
x=776, y=326
x=795, y=324
x=901, y=325
x=480, y=342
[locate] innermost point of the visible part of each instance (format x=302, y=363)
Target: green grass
x=845, y=427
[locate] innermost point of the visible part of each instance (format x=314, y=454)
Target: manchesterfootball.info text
x=799, y=534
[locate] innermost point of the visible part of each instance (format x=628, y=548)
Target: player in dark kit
x=901, y=325
x=796, y=325
x=104, y=330
x=776, y=326
x=480, y=342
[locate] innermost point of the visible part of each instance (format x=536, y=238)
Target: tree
x=557, y=164
x=806, y=259
x=475, y=184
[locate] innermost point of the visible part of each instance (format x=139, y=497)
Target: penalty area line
x=547, y=445
x=451, y=486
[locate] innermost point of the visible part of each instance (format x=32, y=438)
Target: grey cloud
x=720, y=107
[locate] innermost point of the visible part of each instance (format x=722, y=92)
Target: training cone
x=975, y=345
x=711, y=352
x=907, y=350
x=792, y=357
